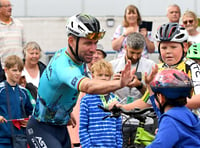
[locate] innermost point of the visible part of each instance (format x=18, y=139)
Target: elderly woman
x=190, y=22
x=131, y=23
x=33, y=68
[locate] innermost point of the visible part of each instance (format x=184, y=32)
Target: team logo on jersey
x=74, y=80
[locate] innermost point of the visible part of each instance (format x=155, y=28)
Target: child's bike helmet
x=172, y=32
x=194, y=51
x=172, y=83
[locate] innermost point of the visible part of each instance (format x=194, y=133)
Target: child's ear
x=185, y=46
x=5, y=69
x=161, y=98
x=92, y=76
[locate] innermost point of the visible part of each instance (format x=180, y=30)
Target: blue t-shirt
x=58, y=89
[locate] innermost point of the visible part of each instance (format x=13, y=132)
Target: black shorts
x=43, y=135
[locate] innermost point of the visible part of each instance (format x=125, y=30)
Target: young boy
x=13, y=99
x=178, y=126
x=93, y=131
x=194, y=52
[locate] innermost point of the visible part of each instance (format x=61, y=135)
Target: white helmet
x=172, y=32
x=83, y=25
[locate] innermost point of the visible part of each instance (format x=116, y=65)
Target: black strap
x=8, y=105
x=9, y=110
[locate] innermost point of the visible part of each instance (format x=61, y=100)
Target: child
x=194, y=52
x=178, y=126
x=14, y=102
x=93, y=131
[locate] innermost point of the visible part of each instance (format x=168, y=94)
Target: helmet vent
x=80, y=28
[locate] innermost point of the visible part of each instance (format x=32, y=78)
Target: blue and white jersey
x=58, y=89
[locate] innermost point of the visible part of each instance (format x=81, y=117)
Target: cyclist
x=178, y=126
x=62, y=80
x=194, y=52
x=172, y=46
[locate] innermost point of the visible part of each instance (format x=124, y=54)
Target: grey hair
x=31, y=45
x=174, y=5
x=135, y=40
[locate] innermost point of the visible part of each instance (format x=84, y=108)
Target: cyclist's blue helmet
x=172, y=83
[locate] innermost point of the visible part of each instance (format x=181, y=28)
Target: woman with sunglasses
x=190, y=22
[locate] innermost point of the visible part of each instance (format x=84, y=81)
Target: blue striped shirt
x=95, y=132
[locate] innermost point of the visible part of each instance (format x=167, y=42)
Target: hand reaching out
x=2, y=119
x=149, y=78
x=127, y=75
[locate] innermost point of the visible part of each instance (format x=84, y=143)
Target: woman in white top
x=33, y=68
x=190, y=22
x=131, y=22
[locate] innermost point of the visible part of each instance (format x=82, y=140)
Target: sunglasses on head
x=188, y=21
x=95, y=35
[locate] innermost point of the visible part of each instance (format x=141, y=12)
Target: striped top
x=11, y=38
x=95, y=132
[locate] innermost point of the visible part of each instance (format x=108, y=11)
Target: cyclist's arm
x=135, y=104
x=93, y=86
x=194, y=102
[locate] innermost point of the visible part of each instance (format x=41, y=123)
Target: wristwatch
x=140, y=86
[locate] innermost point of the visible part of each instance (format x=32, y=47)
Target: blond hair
x=191, y=14
x=102, y=65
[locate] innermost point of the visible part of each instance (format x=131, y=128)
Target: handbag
x=17, y=140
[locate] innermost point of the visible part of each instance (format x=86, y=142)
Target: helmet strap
x=75, y=54
x=162, y=107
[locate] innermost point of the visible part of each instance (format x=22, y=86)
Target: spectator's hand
x=110, y=106
x=117, y=76
x=149, y=78
x=23, y=123
x=130, y=30
x=2, y=119
x=135, y=82
x=144, y=32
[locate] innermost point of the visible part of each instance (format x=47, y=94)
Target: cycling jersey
x=58, y=89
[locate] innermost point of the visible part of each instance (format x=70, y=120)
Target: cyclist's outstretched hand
x=127, y=75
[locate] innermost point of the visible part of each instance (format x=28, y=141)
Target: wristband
x=140, y=86
x=124, y=35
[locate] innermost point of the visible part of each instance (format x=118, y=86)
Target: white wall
x=38, y=8
x=44, y=20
